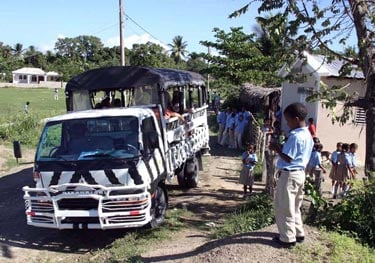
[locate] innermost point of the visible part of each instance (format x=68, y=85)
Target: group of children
x=232, y=125
x=343, y=169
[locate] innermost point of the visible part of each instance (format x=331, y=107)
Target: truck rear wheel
x=191, y=172
x=181, y=178
x=159, y=207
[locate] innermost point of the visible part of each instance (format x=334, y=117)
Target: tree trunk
x=360, y=13
x=370, y=129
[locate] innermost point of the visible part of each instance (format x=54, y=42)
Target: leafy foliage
x=178, y=49
x=355, y=214
x=312, y=25
x=151, y=55
x=240, y=59
x=23, y=128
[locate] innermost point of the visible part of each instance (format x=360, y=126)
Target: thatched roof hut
x=256, y=98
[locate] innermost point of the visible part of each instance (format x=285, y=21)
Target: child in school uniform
x=249, y=159
x=293, y=158
x=352, y=150
x=343, y=171
x=315, y=168
x=352, y=162
x=334, y=156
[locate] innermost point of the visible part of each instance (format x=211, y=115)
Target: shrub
x=21, y=127
x=354, y=215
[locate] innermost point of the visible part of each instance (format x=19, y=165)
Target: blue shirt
x=315, y=160
x=230, y=121
x=246, y=114
x=298, y=147
x=334, y=156
x=352, y=160
x=249, y=156
x=221, y=117
x=240, y=126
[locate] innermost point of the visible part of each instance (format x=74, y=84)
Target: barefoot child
x=249, y=159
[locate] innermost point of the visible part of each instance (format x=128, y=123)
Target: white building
x=33, y=76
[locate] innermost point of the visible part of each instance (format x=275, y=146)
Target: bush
x=354, y=215
x=21, y=127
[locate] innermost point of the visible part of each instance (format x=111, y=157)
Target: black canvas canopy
x=127, y=77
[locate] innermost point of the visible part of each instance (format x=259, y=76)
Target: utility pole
x=122, y=47
x=208, y=76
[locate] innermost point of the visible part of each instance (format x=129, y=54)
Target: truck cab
x=105, y=163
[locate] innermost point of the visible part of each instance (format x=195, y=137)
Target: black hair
x=296, y=110
x=353, y=146
x=345, y=147
x=318, y=146
x=250, y=144
x=311, y=120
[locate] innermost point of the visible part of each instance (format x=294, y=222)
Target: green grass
x=42, y=103
x=15, y=124
x=334, y=247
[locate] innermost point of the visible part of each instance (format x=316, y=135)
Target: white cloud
x=134, y=39
x=44, y=47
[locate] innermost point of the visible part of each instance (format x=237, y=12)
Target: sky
x=41, y=22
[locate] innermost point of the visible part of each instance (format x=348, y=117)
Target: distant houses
x=34, y=76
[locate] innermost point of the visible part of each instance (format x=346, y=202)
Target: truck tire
x=181, y=178
x=159, y=207
x=191, y=172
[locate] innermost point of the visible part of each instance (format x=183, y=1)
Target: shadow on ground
x=260, y=237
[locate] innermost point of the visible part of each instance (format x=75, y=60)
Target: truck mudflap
x=82, y=206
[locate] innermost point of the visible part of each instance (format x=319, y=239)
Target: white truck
x=104, y=164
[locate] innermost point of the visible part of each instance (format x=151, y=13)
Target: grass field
x=42, y=103
x=26, y=128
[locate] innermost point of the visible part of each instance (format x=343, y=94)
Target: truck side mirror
x=17, y=150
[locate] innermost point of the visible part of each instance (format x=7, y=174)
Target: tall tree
x=18, y=50
x=317, y=24
x=149, y=54
x=178, y=49
x=34, y=58
x=239, y=58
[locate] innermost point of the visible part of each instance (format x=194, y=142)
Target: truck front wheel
x=191, y=172
x=159, y=207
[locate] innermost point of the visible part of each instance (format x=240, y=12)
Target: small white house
x=33, y=76
x=312, y=73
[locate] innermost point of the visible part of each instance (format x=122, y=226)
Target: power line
x=145, y=30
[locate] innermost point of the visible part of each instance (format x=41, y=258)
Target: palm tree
x=178, y=49
x=18, y=49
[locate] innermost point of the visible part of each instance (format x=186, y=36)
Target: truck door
x=153, y=148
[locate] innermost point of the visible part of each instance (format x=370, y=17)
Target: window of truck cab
x=102, y=137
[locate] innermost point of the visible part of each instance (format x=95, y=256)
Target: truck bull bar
x=82, y=206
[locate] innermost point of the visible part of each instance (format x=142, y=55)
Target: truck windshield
x=88, y=139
